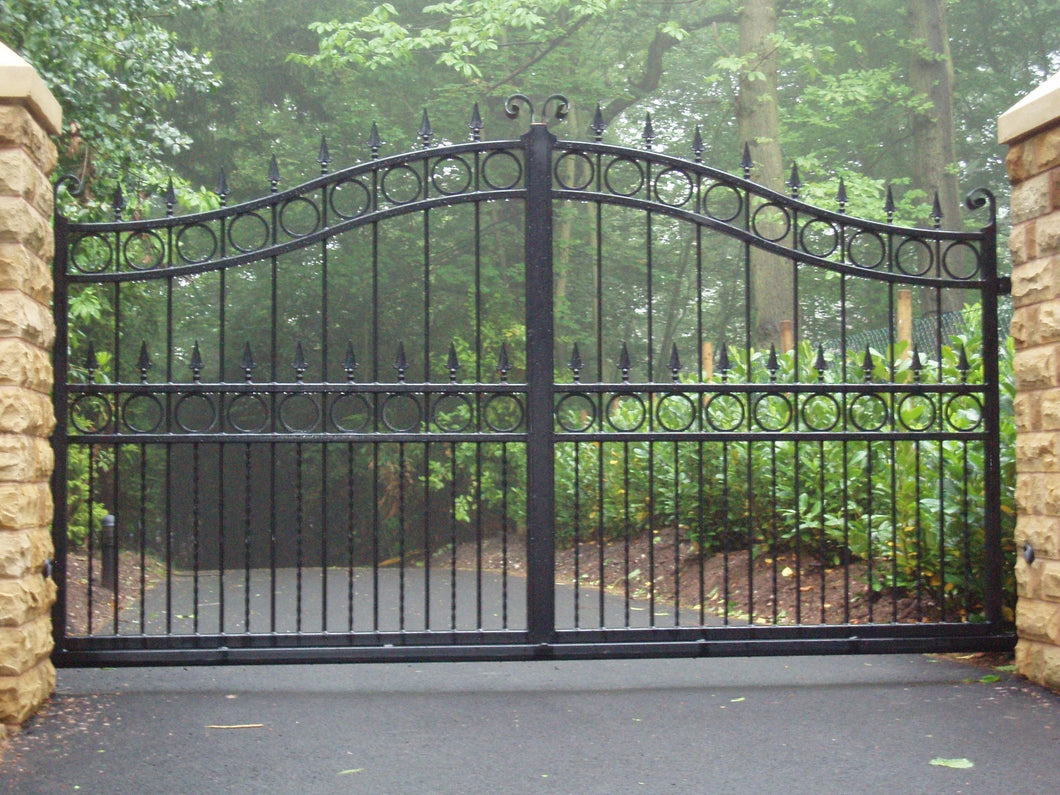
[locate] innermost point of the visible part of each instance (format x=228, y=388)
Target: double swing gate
x=512, y=399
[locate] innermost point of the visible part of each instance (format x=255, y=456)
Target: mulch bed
x=102, y=598
x=784, y=591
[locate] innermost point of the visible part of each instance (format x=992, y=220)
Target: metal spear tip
x=425, y=132
x=624, y=363
x=91, y=361
x=867, y=364
x=649, y=131
x=504, y=365
x=794, y=181
x=889, y=206
x=247, y=362
x=936, y=210
x=962, y=362
x=196, y=361
x=575, y=363
x=675, y=361
x=747, y=163
x=723, y=358
x=697, y=144
x=170, y=197
x=144, y=362
x=841, y=194
x=917, y=364
x=598, y=125
x=222, y=185
x=476, y=123
x=374, y=141
x=324, y=156
x=119, y=203
x=820, y=365
x=453, y=363
x=400, y=362
x=300, y=365
x=349, y=364
x=274, y=172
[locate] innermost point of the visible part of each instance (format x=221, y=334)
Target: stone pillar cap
x=20, y=81
x=1036, y=110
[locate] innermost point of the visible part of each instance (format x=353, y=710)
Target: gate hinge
x=1004, y=285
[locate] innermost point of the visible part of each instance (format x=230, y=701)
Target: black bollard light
x=108, y=552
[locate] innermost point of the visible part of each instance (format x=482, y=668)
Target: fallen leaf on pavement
x=238, y=726
x=957, y=763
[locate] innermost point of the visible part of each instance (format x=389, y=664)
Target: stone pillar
x=29, y=114
x=1031, y=128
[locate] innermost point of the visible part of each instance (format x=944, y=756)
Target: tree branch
x=652, y=73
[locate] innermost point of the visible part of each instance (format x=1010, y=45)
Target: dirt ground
x=129, y=584
x=784, y=592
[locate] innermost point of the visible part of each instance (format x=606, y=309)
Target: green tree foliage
x=118, y=73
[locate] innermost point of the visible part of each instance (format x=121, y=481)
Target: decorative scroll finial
x=562, y=106
x=979, y=198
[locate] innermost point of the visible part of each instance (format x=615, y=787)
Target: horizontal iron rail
x=930, y=643
x=440, y=388
x=448, y=389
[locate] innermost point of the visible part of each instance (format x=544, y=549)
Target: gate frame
x=542, y=639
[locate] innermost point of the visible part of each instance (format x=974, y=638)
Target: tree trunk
x=758, y=124
x=931, y=77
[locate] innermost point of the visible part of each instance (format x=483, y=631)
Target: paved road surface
x=792, y=725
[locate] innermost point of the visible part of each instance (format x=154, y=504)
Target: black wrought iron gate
x=508, y=399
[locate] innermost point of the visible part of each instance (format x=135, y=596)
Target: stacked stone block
x=29, y=115
x=1032, y=130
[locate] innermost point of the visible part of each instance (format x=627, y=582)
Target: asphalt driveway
x=793, y=725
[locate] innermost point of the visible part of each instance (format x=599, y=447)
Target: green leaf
x=960, y=764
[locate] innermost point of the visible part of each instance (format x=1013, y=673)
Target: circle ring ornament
x=462, y=402
x=574, y=157
x=94, y=240
x=96, y=405
x=588, y=414
x=211, y=236
x=394, y=403
x=614, y=407
x=716, y=408
x=358, y=402
x=872, y=407
x=129, y=411
x=494, y=402
x=829, y=422
x=762, y=402
x=187, y=403
x=254, y=403
x=684, y=401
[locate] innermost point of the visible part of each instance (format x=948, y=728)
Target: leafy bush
x=913, y=511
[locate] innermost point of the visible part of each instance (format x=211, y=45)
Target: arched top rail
x=479, y=171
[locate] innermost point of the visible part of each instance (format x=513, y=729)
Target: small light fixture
x=1028, y=553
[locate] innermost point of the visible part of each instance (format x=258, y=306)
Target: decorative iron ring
x=511, y=107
